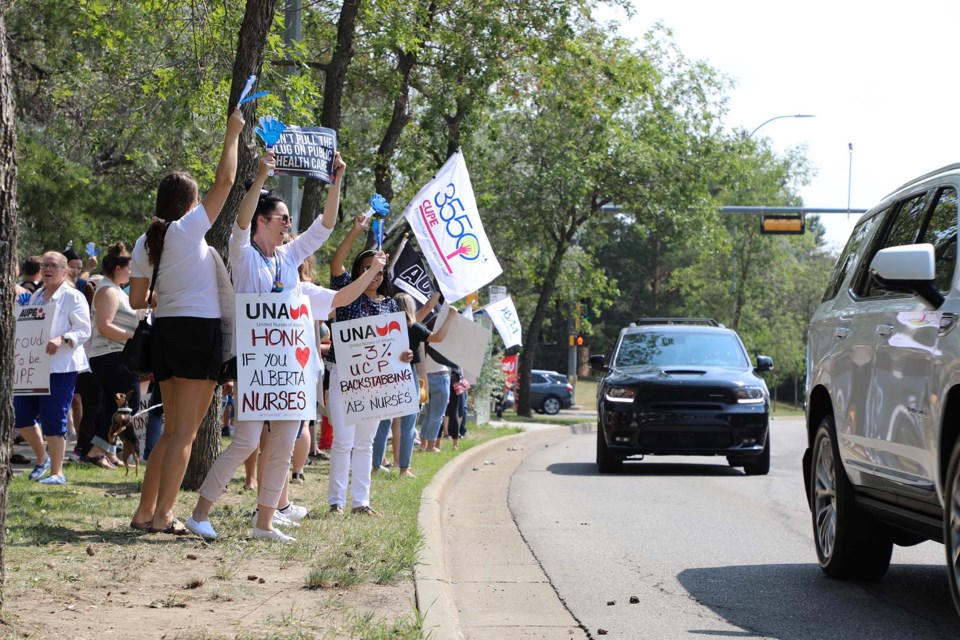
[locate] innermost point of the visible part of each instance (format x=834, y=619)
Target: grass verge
x=69, y=549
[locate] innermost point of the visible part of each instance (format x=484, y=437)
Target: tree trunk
x=251, y=44
x=532, y=333
x=336, y=80
x=8, y=259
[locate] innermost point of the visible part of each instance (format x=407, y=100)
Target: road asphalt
x=477, y=579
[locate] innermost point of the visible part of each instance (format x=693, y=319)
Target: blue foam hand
x=23, y=298
x=269, y=130
x=91, y=249
x=379, y=205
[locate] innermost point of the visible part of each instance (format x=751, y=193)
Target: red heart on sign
x=296, y=313
x=303, y=356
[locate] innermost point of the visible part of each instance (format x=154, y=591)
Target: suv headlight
x=750, y=395
x=620, y=394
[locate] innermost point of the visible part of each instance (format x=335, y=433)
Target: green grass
x=72, y=537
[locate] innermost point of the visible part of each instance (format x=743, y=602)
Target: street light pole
x=765, y=122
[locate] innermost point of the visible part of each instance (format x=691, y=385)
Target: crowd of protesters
x=173, y=273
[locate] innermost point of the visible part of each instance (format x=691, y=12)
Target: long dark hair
x=117, y=257
x=385, y=288
x=175, y=195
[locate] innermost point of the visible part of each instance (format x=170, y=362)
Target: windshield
x=680, y=349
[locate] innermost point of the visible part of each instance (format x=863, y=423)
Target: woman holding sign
x=262, y=263
x=186, y=338
x=70, y=329
x=356, y=437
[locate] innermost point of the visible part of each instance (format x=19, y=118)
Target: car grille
x=685, y=440
x=674, y=397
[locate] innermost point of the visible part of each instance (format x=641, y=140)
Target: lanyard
x=277, y=282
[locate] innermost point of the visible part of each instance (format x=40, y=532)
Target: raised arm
x=425, y=310
x=332, y=205
x=343, y=250
x=248, y=206
x=353, y=290
x=441, y=333
x=226, y=169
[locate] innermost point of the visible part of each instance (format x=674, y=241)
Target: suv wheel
x=761, y=465
x=951, y=525
x=606, y=461
x=551, y=405
x=846, y=547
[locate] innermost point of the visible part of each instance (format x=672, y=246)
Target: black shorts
x=186, y=347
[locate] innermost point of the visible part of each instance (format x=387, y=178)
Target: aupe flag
x=445, y=220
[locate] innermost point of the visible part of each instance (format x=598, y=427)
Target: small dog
x=121, y=425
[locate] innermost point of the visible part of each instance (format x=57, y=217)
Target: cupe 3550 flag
x=445, y=220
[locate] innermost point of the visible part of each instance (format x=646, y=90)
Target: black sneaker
x=297, y=478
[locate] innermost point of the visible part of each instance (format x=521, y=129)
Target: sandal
x=100, y=461
x=140, y=526
x=174, y=527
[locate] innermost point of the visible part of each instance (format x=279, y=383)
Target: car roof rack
x=707, y=321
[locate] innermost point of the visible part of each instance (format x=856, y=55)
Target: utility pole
x=289, y=186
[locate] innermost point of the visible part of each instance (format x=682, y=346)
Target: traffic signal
x=774, y=224
x=584, y=308
x=580, y=341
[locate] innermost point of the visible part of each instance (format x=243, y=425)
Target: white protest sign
x=374, y=383
x=465, y=345
x=504, y=316
x=31, y=364
x=446, y=222
x=277, y=362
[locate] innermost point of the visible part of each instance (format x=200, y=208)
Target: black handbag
x=137, y=355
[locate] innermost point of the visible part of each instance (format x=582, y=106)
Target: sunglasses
x=50, y=265
x=285, y=217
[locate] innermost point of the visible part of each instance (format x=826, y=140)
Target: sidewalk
x=477, y=579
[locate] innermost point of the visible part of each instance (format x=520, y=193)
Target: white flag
x=445, y=220
x=505, y=319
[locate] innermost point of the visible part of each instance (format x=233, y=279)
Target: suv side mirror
x=598, y=363
x=764, y=363
x=909, y=268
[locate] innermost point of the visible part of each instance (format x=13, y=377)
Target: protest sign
x=505, y=319
x=31, y=364
x=465, y=344
x=277, y=360
x=306, y=152
x=373, y=382
x=446, y=222
x=408, y=274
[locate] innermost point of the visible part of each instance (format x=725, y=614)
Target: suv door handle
x=884, y=330
x=841, y=332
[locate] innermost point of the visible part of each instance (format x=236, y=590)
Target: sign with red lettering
x=277, y=359
x=31, y=364
x=374, y=383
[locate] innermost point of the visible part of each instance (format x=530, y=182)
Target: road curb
x=431, y=578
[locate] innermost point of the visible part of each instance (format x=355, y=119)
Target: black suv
x=682, y=386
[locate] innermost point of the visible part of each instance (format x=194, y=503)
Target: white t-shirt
x=254, y=273
x=321, y=300
x=187, y=281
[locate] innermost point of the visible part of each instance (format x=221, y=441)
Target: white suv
x=883, y=387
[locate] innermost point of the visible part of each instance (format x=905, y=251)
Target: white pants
x=246, y=438
x=358, y=438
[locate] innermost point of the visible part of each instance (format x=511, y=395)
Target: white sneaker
x=272, y=535
x=202, y=528
x=293, y=512
x=279, y=520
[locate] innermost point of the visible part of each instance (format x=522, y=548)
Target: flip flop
x=100, y=461
x=174, y=527
x=140, y=526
